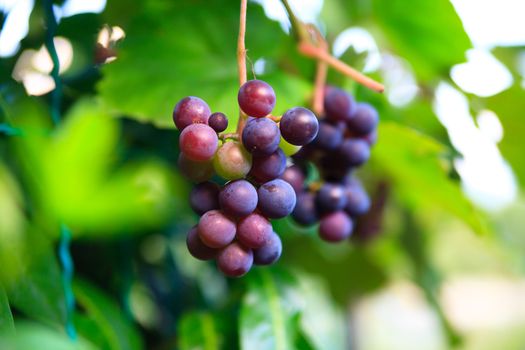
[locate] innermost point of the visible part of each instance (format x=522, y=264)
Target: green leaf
x=176, y=49
x=72, y=176
x=6, y=317
x=506, y=105
x=321, y=321
x=419, y=172
x=198, y=331
x=36, y=336
x=429, y=34
x=107, y=318
x=38, y=291
x=267, y=319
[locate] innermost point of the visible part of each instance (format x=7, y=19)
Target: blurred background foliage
x=430, y=267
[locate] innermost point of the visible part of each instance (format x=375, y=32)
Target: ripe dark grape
x=197, y=248
x=354, y=152
x=333, y=168
x=305, y=212
x=364, y=119
x=370, y=138
x=299, y=126
x=238, y=198
x=235, y=260
x=232, y=161
x=218, y=122
x=216, y=230
x=204, y=197
x=338, y=105
x=331, y=197
x=266, y=168
x=190, y=110
x=256, y=98
x=195, y=171
x=335, y=227
x=261, y=136
x=329, y=137
x=254, y=230
x=276, y=199
x=357, y=200
x=270, y=252
x=295, y=177
x=198, y=142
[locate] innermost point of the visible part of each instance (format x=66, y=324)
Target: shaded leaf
x=267, y=319
x=429, y=34
x=177, y=49
x=198, y=331
x=107, y=318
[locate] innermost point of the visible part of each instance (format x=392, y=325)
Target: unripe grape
x=288, y=148
x=232, y=161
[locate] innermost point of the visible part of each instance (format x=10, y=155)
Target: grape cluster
x=346, y=134
x=234, y=227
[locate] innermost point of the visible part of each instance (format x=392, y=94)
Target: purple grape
x=295, y=177
x=256, y=98
x=270, y=252
x=216, y=230
x=218, y=122
x=357, y=200
x=198, y=142
x=299, y=126
x=329, y=137
x=254, y=230
x=238, y=198
x=364, y=119
x=276, y=199
x=195, y=171
x=204, y=197
x=331, y=197
x=190, y=110
x=354, y=152
x=197, y=248
x=335, y=227
x=261, y=136
x=370, y=138
x=305, y=212
x=235, y=260
x=338, y=105
x=266, y=168
x=332, y=168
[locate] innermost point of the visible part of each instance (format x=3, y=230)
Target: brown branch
x=310, y=50
x=320, y=75
x=241, y=59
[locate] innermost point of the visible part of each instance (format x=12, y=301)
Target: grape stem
x=320, y=75
x=309, y=50
x=275, y=118
x=241, y=59
x=232, y=135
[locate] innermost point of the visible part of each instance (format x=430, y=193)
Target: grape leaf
x=178, y=49
x=198, y=331
x=429, y=34
x=117, y=332
x=268, y=318
x=6, y=317
x=416, y=165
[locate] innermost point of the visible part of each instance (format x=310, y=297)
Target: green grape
x=232, y=161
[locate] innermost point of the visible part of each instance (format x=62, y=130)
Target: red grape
x=256, y=98
x=190, y=110
x=198, y=142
